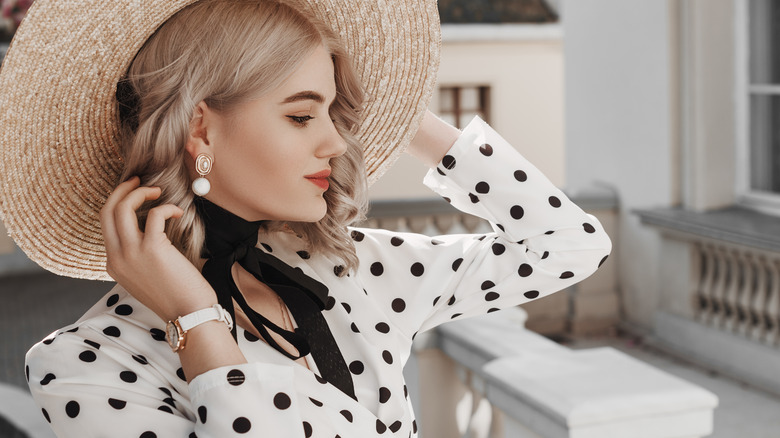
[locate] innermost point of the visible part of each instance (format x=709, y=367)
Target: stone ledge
x=733, y=224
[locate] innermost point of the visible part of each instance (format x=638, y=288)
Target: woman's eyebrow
x=305, y=95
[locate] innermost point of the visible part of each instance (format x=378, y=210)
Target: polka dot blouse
x=111, y=374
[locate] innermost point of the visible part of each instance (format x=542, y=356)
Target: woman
x=242, y=140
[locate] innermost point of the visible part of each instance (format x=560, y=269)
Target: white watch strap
x=215, y=312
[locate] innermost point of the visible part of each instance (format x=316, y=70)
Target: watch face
x=172, y=335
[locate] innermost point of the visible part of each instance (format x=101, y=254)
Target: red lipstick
x=320, y=179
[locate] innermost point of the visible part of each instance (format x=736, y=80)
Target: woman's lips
x=320, y=179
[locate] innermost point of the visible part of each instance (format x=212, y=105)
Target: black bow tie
x=231, y=239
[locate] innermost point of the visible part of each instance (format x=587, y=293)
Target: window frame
x=484, y=91
x=760, y=200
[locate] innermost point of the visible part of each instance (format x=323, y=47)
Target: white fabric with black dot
x=113, y=374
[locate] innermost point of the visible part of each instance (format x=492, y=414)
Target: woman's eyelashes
x=300, y=120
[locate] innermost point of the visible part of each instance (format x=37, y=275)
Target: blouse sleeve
x=542, y=242
x=90, y=386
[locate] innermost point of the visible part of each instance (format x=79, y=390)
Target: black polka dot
x=603, y=260
x=498, y=248
x=545, y=255
x=347, y=415
x=72, y=409
x=441, y=172
x=267, y=247
x=521, y=176
x=250, y=337
x=395, y=427
x=549, y=232
x=128, y=376
x=406, y=392
x=282, y=401
x=307, y=430
x=157, y=334
x=396, y=241
x=88, y=356
x=303, y=254
x=48, y=341
x=377, y=269
x=588, y=228
x=357, y=236
x=47, y=379
x=567, y=274
x=148, y=434
x=166, y=391
x=531, y=294
x=455, y=315
x=474, y=198
x=169, y=401
x=486, y=150
x=418, y=269
x=338, y=270
x=354, y=328
x=380, y=427
x=554, y=201
x=493, y=309
x=329, y=303
x=113, y=299
x=192, y=435
x=482, y=187
x=123, y=309
x=27, y=372
x=451, y=301
x=500, y=227
x=165, y=409
x=388, y=357
x=448, y=200
x=235, y=377
x=46, y=415
x=384, y=395
x=487, y=285
x=73, y=330
x=347, y=307
x=320, y=379
x=525, y=270
x=399, y=305
x=180, y=374
x=202, y=414
x=436, y=242
x=414, y=426
x=356, y=367
x=242, y=425
x=382, y=327
x=112, y=331
x=517, y=212
x=92, y=344
x=491, y=296
x=456, y=264
x=140, y=359
x=316, y=402
x=448, y=161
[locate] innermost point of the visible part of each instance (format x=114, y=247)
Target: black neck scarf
x=231, y=239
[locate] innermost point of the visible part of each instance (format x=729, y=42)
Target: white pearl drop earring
x=201, y=185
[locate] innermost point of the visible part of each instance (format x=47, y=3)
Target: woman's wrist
x=433, y=139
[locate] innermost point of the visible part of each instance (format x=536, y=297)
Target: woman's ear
x=198, y=141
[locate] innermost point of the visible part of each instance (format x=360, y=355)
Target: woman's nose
x=333, y=144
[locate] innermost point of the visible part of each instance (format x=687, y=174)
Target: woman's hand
x=145, y=262
x=434, y=138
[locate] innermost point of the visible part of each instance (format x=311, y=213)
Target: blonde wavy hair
x=227, y=52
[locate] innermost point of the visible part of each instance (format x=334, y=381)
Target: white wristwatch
x=176, y=331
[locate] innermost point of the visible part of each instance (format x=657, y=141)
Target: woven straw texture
x=59, y=120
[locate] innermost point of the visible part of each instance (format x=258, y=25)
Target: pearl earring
x=203, y=163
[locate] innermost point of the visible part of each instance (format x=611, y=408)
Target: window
x=761, y=109
x=458, y=105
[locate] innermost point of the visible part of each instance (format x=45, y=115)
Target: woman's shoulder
x=116, y=323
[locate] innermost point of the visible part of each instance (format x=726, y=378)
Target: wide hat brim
x=59, y=117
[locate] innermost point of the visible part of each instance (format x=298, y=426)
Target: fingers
x=155, y=220
x=107, y=222
x=125, y=214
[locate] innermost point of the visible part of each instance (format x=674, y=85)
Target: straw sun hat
x=59, y=118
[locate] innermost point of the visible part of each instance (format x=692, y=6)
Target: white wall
x=523, y=65
x=619, y=107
